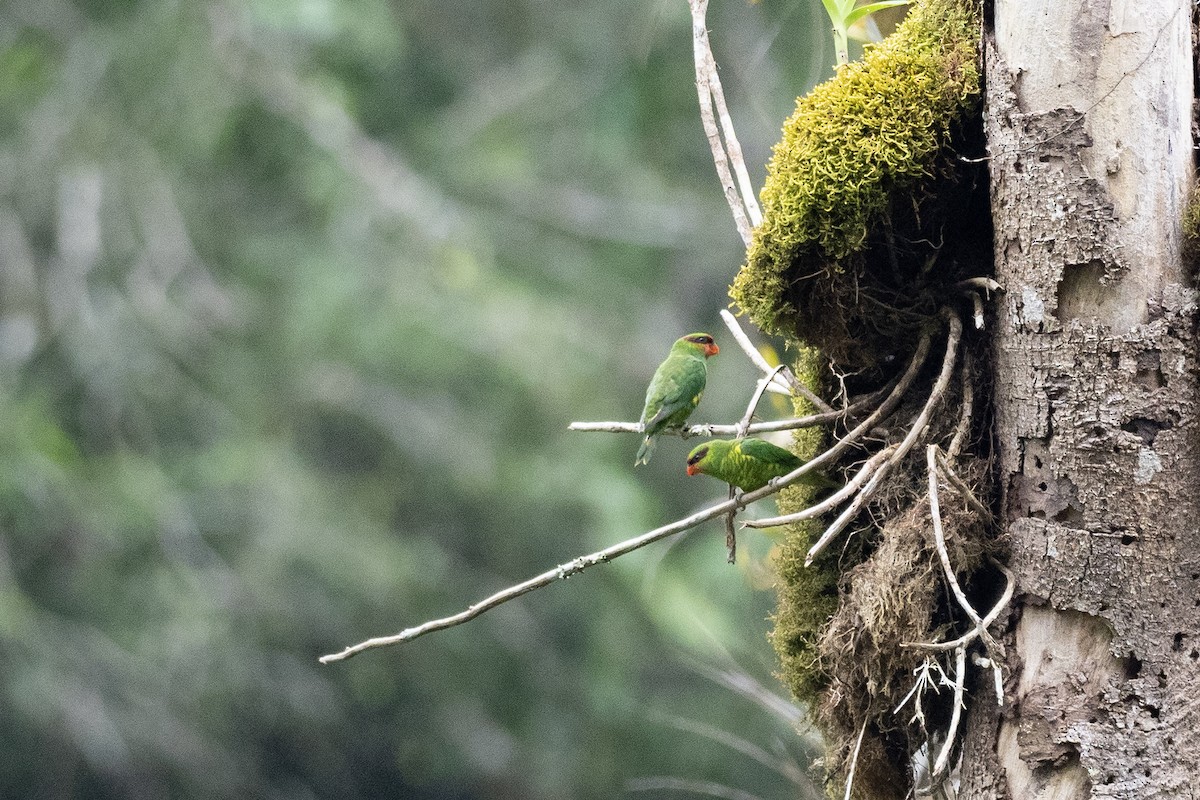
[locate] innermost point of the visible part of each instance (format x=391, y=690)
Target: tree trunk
x=1089, y=128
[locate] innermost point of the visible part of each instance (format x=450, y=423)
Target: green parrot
x=748, y=464
x=675, y=388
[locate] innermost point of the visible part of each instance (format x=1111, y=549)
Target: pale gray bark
x=1089, y=111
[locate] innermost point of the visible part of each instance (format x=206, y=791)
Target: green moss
x=807, y=595
x=860, y=152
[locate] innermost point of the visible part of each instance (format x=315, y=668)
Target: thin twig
x=939, y=538
x=732, y=145
x=831, y=502
x=566, y=570
x=763, y=383
x=713, y=430
x=985, y=623
x=960, y=668
x=782, y=384
x=915, y=432
x=854, y=760
x=789, y=382
x=705, y=71
x=731, y=528
x=852, y=510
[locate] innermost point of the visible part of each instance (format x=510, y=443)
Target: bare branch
x=707, y=86
x=563, y=571
x=733, y=146
x=831, y=502
x=715, y=430
x=763, y=383
x=943, y=759
x=939, y=539
x=985, y=623
x=787, y=382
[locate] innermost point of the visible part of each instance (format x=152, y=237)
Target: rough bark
x=1088, y=123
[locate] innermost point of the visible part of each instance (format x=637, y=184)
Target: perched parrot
x=748, y=464
x=675, y=388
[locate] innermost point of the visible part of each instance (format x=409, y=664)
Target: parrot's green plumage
x=748, y=464
x=675, y=389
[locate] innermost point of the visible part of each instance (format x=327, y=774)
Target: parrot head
x=695, y=460
x=705, y=342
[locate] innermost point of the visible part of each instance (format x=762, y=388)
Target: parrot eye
x=697, y=456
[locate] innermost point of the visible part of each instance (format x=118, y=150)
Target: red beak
x=692, y=469
x=711, y=350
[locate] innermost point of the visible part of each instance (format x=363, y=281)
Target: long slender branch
x=752, y=406
x=705, y=72
x=732, y=145
x=833, y=501
x=566, y=570
x=714, y=430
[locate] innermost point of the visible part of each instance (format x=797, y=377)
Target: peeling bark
x=1089, y=110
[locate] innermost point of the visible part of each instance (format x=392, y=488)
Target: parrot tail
x=645, y=451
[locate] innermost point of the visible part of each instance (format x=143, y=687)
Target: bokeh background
x=297, y=299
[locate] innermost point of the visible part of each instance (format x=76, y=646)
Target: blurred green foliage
x=297, y=298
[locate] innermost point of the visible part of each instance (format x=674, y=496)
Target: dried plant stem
x=943, y=759
x=985, y=623
x=915, y=432
x=727, y=154
x=784, y=382
x=854, y=760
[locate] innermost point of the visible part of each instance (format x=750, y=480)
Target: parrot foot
x=738, y=505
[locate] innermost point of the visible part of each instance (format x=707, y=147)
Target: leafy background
x=297, y=298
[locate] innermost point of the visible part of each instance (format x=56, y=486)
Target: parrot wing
x=767, y=453
x=676, y=388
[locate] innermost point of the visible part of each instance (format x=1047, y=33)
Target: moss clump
x=847, y=201
x=808, y=596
